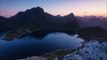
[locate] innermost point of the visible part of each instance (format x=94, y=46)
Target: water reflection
x=28, y=46
x=42, y=34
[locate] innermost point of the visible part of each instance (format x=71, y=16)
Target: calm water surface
x=29, y=46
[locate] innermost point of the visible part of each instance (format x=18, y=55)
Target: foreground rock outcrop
x=35, y=58
x=90, y=51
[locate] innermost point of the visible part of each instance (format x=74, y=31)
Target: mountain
x=3, y=24
x=2, y=21
x=93, y=33
x=35, y=19
x=63, y=22
x=92, y=21
x=28, y=18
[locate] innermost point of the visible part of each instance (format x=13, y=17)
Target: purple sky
x=63, y=7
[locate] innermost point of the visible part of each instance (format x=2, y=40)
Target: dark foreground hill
x=93, y=33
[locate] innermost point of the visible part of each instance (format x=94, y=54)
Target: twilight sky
x=63, y=7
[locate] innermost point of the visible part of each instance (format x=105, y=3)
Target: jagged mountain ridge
x=37, y=18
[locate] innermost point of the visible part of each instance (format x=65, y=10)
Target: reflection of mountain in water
x=28, y=46
x=42, y=33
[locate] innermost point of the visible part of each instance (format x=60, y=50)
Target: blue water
x=29, y=46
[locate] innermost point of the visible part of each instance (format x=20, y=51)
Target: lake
x=32, y=46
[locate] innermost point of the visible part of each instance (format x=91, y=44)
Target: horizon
x=57, y=7
x=57, y=14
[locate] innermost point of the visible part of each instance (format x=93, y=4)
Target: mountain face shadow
x=93, y=33
x=35, y=22
x=35, y=19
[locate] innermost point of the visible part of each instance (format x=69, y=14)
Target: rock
x=34, y=58
x=93, y=50
x=90, y=51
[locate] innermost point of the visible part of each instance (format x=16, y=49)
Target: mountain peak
x=71, y=14
x=38, y=9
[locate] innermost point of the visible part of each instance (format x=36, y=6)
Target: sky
x=9, y=8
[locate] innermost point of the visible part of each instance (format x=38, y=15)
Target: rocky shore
x=93, y=50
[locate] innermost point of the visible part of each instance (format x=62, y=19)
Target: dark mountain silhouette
x=36, y=19
x=66, y=22
x=31, y=17
x=96, y=33
x=2, y=21
x=3, y=24
x=92, y=21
